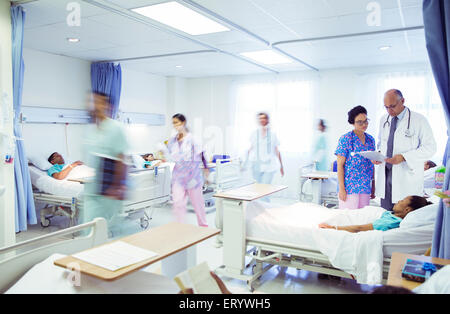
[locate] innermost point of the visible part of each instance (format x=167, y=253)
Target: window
x=290, y=107
x=422, y=96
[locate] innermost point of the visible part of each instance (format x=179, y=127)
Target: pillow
x=420, y=217
x=40, y=161
x=138, y=161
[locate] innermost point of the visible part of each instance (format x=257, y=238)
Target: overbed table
x=317, y=178
x=234, y=204
x=174, y=243
x=398, y=260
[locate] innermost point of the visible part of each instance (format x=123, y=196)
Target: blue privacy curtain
x=436, y=14
x=107, y=78
x=25, y=211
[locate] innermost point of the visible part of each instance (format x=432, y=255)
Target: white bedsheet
x=46, y=184
x=359, y=254
x=293, y=224
x=46, y=278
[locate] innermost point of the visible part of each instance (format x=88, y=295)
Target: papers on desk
x=115, y=256
x=372, y=155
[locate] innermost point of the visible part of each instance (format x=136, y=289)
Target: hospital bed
x=146, y=189
x=258, y=236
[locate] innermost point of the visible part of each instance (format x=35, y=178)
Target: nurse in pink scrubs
x=187, y=176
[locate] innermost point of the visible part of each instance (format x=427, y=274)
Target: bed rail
x=14, y=261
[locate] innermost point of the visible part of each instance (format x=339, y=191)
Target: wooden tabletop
x=251, y=192
x=165, y=240
x=398, y=260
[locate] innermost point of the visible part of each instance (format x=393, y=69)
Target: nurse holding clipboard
x=355, y=173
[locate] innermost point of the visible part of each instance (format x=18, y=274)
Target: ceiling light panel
x=182, y=18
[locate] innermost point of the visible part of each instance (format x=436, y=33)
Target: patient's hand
x=77, y=163
x=326, y=226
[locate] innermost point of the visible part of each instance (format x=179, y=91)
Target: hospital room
x=250, y=147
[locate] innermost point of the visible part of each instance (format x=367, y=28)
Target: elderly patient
x=389, y=220
x=59, y=169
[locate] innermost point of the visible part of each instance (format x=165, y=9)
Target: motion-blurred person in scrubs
x=355, y=173
x=187, y=176
x=106, y=145
x=264, y=152
x=320, y=149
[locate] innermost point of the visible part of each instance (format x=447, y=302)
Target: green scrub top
x=109, y=139
x=321, y=153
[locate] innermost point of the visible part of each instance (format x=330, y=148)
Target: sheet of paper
x=372, y=155
x=115, y=256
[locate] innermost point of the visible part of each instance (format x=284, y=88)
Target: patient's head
x=149, y=157
x=409, y=204
x=428, y=165
x=56, y=159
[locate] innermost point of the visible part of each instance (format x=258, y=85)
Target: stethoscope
x=407, y=131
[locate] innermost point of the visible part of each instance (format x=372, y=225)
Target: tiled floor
x=276, y=280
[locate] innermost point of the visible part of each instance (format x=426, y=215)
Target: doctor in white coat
x=406, y=139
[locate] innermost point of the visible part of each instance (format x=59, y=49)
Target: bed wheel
x=144, y=223
x=45, y=222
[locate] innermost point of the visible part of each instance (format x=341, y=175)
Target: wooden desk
x=398, y=260
x=165, y=240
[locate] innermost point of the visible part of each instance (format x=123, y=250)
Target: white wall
x=144, y=93
x=63, y=82
x=57, y=82
x=7, y=211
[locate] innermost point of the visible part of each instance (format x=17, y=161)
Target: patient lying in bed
x=150, y=161
x=60, y=170
x=389, y=220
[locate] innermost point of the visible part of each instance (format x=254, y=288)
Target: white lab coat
x=407, y=177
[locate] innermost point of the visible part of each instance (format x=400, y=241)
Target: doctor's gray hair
x=397, y=92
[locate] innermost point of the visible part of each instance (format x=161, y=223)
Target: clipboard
x=372, y=155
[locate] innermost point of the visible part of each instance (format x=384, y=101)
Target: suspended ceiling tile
x=206, y=64
x=362, y=51
x=46, y=12
x=53, y=39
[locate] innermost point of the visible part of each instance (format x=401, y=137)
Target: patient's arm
x=352, y=229
x=64, y=173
